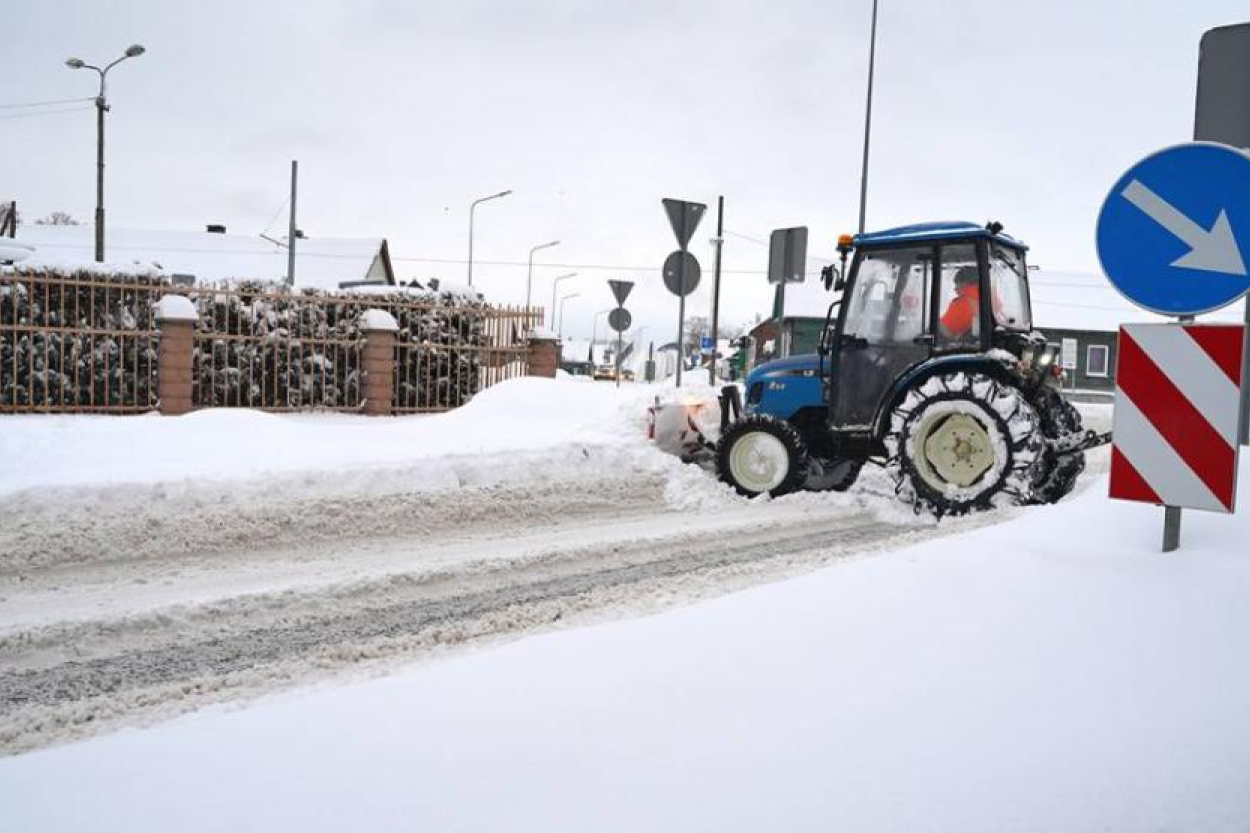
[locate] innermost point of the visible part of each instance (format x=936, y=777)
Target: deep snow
x=1053, y=672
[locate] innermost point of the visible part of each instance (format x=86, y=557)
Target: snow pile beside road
x=223, y=443
x=1055, y=672
x=78, y=488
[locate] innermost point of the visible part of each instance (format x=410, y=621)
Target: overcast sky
x=401, y=113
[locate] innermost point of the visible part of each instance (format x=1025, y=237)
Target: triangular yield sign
x=621, y=290
x=684, y=217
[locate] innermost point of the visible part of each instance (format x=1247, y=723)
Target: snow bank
x=224, y=443
x=1051, y=673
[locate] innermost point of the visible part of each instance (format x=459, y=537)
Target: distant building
x=1080, y=313
x=320, y=263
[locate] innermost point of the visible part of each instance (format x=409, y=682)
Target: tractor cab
x=915, y=295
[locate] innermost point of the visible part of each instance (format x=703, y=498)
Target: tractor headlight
x=1046, y=359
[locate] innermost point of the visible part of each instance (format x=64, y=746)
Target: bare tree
x=57, y=218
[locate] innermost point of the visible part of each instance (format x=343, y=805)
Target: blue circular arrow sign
x=1174, y=232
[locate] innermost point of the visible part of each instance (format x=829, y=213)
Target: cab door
x=885, y=328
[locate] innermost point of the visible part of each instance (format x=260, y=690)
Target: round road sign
x=1174, y=232
x=681, y=273
x=619, y=319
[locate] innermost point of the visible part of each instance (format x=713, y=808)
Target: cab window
x=1008, y=282
x=959, y=298
x=890, y=301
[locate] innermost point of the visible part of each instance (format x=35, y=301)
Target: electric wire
x=8, y=116
x=44, y=103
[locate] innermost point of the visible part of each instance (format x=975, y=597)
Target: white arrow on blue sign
x=1174, y=232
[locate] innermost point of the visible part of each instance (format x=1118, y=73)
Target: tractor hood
x=789, y=366
x=784, y=387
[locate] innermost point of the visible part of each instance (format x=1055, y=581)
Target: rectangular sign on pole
x=787, y=255
x=1067, y=355
x=1177, y=394
x=1222, y=113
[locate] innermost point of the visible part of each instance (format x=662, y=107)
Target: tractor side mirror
x=832, y=277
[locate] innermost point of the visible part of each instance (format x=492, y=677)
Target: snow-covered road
x=129, y=602
x=95, y=643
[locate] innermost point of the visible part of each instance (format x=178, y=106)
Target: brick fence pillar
x=379, y=327
x=543, y=354
x=176, y=317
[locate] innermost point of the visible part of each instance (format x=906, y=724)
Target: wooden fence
x=89, y=343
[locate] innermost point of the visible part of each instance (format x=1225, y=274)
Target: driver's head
x=966, y=276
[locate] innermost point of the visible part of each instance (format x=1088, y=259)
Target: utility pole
x=718, y=241
x=101, y=106
x=291, y=232
x=863, y=176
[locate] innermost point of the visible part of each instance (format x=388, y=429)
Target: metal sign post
x=1170, y=237
x=619, y=319
x=681, y=270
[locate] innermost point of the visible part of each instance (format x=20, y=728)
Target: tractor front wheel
x=963, y=442
x=762, y=454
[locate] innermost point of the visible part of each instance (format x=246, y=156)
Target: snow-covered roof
x=1061, y=300
x=320, y=263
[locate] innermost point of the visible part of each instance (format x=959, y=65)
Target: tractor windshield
x=1009, y=284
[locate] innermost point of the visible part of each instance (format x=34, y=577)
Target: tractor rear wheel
x=963, y=442
x=762, y=454
x=1059, y=418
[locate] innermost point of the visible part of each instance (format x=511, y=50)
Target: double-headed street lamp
x=101, y=105
x=560, y=325
x=472, y=208
x=554, y=285
x=529, y=275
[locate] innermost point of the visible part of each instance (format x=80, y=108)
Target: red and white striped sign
x=1177, y=392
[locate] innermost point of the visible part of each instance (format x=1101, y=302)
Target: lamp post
x=555, y=284
x=472, y=208
x=594, y=327
x=529, y=275
x=101, y=106
x=863, y=174
x=560, y=325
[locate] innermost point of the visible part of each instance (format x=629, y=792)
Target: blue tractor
x=928, y=365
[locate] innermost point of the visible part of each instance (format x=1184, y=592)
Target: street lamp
x=472, y=208
x=560, y=325
x=594, y=326
x=555, y=284
x=101, y=105
x=529, y=275
x=863, y=173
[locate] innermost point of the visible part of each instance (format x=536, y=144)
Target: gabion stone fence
x=94, y=342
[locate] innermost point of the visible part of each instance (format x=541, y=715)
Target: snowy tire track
x=149, y=667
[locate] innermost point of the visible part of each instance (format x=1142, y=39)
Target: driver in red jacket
x=964, y=310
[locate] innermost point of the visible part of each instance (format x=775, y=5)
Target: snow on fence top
x=175, y=308
x=378, y=320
